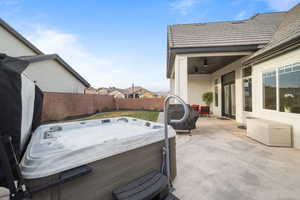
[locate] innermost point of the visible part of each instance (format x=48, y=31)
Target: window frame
x=262, y=90
x=243, y=91
x=276, y=69
x=216, y=88
x=295, y=64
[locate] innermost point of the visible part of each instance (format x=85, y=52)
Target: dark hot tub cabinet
x=76, y=160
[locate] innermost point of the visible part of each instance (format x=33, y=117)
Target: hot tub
x=117, y=149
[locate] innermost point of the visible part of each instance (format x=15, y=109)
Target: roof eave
x=213, y=49
x=70, y=69
x=20, y=37
x=277, y=50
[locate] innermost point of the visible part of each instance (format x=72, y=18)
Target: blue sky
x=120, y=42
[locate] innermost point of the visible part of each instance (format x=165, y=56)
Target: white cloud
x=281, y=5
x=241, y=15
x=96, y=69
x=116, y=71
x=91, y=66
x=184, y=6
x=10, y=2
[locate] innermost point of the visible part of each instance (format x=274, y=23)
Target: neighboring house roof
x=39, y=58
x=113, y=89
x=90, y=90
x=128, y=91
x=20, y=37
x=243, y=35
x=123, y=91
x=139, y=90
x=288, y=33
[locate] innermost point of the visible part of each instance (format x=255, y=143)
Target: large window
x=247, y=88
x=247, y=84
x=216, y=93
x=269, y=90
x=289, y=88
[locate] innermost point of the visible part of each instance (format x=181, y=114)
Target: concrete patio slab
x=218, y=162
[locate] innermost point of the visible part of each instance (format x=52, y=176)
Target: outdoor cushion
x=176, y=111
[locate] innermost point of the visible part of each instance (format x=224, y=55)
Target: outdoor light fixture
x=205, y=64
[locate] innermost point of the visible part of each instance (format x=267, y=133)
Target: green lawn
x=146, y=115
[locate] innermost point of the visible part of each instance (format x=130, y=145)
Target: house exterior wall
x=50, y=76
x=172, y=86
x=91, y=91
x=103, y=91
x=12, y=46
x=117, y=94
x=197, y=86
x=148, y=95
x=181, y=77
x=258, y=111
x=236, y=67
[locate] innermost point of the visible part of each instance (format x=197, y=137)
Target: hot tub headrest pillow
x=20, y=102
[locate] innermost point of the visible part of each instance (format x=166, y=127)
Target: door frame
x=229, y=83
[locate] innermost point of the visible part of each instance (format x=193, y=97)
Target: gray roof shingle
x=257, y=30
x=288, y=30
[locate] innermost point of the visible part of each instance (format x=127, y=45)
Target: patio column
x=181, y=77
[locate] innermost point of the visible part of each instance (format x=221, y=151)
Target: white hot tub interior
x=58, y=147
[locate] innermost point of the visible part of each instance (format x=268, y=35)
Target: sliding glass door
x=228, y=95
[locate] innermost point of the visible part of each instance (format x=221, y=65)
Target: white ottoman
x=269, y=132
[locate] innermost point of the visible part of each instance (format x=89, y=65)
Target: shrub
x=207, y=98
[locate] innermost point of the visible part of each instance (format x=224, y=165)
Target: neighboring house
x=140, y=92
x=137, y=92
x=162, y=94
x=116, y=92
x=50, y=72
x=252, y=66
x=148, y=94
x=91, y=90
x=103, y=91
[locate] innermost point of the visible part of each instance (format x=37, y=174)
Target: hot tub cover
x=20, y=102
x=20, y=107
x=58, y=147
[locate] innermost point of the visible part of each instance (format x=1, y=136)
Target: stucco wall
x=11, y=46
x=50, y=76
x=235, y=66
x=181, y=76
x=172, y=86
x=258, y=111
x=117, y=94
x=197, y=86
